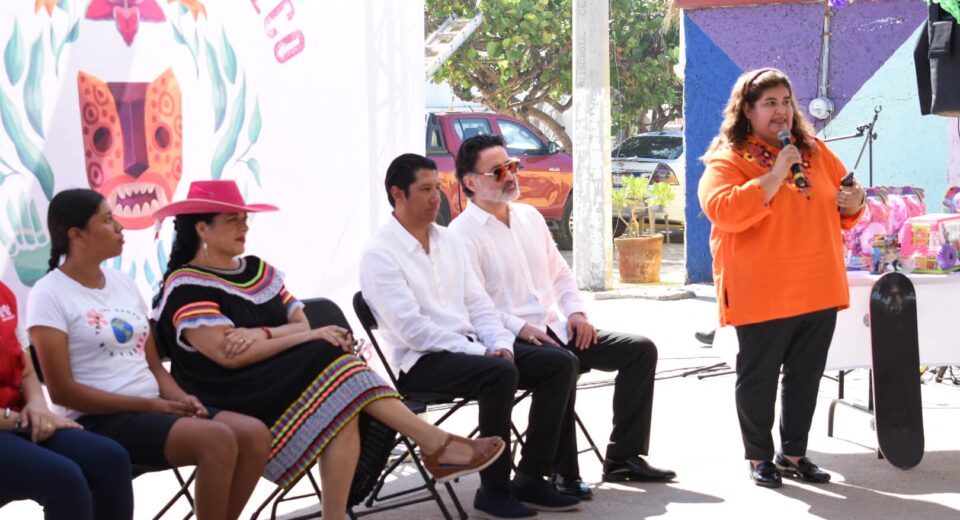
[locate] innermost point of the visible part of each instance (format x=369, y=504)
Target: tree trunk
x=554, y=127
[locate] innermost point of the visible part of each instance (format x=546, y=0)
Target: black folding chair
x=377, y=439
x=418, y=403
x=592, y=446
x=140, y=469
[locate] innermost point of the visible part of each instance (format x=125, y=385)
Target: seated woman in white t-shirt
x=90, y=328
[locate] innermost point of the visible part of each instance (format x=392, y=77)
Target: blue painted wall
x=708, y=76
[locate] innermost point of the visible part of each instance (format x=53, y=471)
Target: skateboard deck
x=896, y=356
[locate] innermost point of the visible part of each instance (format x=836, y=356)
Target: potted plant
x=638, y=254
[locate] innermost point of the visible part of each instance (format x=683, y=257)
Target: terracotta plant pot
x=639, y=258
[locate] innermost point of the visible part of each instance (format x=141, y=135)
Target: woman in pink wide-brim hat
x=240, y=341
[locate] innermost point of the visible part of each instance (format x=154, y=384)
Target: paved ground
x=695, y=433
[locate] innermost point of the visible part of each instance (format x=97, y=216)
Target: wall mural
x=132, y=130
x=871, y=64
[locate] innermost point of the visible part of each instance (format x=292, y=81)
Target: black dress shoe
x=634, y=469
x=766, y=474
x=536, y=493
x=705, y=337
x=572, y=486
x=496, y=504
x=804, y=470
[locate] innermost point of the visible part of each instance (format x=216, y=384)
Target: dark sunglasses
x=500, y=172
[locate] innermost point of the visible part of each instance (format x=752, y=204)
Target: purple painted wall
x=788, y=36
x=769, y=36
x=863, y=38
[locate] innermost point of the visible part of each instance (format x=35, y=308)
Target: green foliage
x=518, y=59
x=631, y=196
x=635, y=195
x=660, y=194
x=521, y=59
x=643, y=54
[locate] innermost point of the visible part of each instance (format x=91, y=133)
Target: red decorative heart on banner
x=128, y=21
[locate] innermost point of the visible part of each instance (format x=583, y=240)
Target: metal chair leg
x=184, y=491
x=593, y=445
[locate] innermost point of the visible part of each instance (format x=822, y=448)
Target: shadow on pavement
x=641, y=500
x=870, y=488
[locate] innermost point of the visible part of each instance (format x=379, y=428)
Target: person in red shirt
x=777, y=263
x=47, y=458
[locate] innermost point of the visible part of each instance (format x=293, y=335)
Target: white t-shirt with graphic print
x=107, y=330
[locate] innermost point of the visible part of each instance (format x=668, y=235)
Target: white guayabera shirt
x=520, y=268
x=428, y=302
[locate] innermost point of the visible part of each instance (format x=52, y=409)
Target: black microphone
x=799, y=179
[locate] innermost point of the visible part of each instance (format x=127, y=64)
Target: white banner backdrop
x=303, y=103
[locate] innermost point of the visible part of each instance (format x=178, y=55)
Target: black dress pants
x=799, y=344
x=550, y=372
x=634, y=359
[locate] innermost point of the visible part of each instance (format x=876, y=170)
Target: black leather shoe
x=634, y=469
x=705, y=337
x=492, y=503
x=804, y=470
x=535, y=492
x=765, y=474
x=572, y=486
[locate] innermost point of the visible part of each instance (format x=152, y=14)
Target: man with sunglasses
x=447, y=339
x=513, y=254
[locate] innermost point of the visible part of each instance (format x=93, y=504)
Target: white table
x=938, y=310
x=938, y=321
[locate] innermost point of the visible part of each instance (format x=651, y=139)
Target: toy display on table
x=904, y=202
x=875, y=221
x=929, y=243
x=885, y=254
x=887, y=208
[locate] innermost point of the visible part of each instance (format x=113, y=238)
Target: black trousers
x=550, y=372
x=799, y=344
x=634, y=359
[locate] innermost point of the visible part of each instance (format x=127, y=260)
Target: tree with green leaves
x=520, y=60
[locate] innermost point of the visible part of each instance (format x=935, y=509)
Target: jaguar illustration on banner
x=133, y=142
x=302, y=103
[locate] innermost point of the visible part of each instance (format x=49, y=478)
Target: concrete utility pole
x=592, y=233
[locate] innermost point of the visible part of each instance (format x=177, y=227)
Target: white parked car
x=658, y=155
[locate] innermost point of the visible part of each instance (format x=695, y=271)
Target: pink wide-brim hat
x=211, y=197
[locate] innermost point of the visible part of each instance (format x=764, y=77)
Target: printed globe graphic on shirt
x=122, y=330
x=116, y=331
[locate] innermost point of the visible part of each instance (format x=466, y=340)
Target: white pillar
x=592, y=233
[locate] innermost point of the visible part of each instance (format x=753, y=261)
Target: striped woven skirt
x=341, y=391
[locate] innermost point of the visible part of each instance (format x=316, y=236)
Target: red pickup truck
x=546, y=175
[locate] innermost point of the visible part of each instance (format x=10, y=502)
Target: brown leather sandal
x=485, y=451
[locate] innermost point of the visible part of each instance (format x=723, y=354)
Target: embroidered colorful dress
x=305, y=393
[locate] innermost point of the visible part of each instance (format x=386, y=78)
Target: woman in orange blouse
x=778, y=263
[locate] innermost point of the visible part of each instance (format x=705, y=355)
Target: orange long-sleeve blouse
x=781, y=257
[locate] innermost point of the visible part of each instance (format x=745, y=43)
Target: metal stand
x=868, y=409
x=867, y=130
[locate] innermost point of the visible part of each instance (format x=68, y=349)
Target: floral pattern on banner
x=31, y=59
